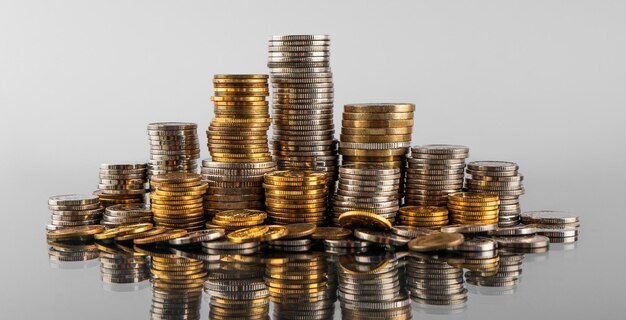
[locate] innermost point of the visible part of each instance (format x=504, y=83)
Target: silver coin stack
x=560, y=227
x=507, y=274
x=119, y=266
x=234, y=185
x=226, y=247
x=72, y=250
x=174, y=147
x=346, y=246
x=435, y=170
x=302, y=110
x=500, y=178
x=122, y=183
x=236, y=289
x=74, y=210
x=125, y=214
x=432, y=281
x=291, y=245
x=299, y=287
x=478, y=254
x=371, y=289
x=372, y=188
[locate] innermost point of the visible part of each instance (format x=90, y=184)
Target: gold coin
x=176, y=177
x=472, y=204
x=274, y=232
x=375, y=138
x=472, y=197
x=463, y=221
x=423, y=219
x=177, y=207
x=300, y=230
x=242, y=224
x=240, y=76
x=295, y=176
x=379, y=107
x=241, y=215
x=471, y=208
x=122, y=230
x=78, y=231
x=183, y=212
x=200, y=187
x=174, y=198
x=423, y=211
x=377, y=115
x=159, y=192
x=132, y=236
x=474, y=213
x=435, y=225
x=165, y=236
x=331, y=233
x=436, y=241
x=242, y=104
x=363, y=219
x=377, y=123
x=238, y=98
x=251, y=234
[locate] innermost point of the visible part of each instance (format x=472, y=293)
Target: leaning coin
x=436, y=241
x=363, y=219
x=411, y=232
x=300, y=230
x=165, y=236
x=381, y=237
x=199, y=236
x=469, y=228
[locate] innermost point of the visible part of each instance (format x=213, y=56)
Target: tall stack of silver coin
x=435, y=170
x=125, y=214
x=119, y=266
x=503, y=179
x=370, y=289
x=174, y=147
x=73, y=210
x=373, y=188
x=302, y=110
x=234, y=185
x=122, y=183
x=432, y=281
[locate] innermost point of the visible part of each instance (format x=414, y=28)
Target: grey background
x=539, y=82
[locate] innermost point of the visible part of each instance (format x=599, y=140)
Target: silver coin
x=518, y=230
x=469, y=228
x=477, y=244
x=492, y=166
x=381, y=237
x=440, y=149
x=199, y=236
x=73, y=200
x=534, y=241
x=549, y=217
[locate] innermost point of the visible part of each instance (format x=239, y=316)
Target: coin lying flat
x=331, y=233
x=199, y=236
x=78, y=231
x=161, y=237
x=300, y=230
x=436, y=241
x=549, y=217
x=363, y=219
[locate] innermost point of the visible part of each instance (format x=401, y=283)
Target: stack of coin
x=432, y=281
x=234, y=185
x=473, y=208
x=173, y=147
x=298, y=286
x=177, y=287
x=369, y=288
x=477, y=254
x=435, y=170
x=122, y=183
x=302, y=104
x=177, y=200
x=560, y=227
x=377, y=133
x=500, y=178
x=429, y=217
x=125, y=214
x=236, y=219
x=508, y=272
x=363, y=187
x=236, y=289
x=238, y=133
x=227, y=247
x=72, y=250
x=119, y=266
x=72, y=210
x=294, y=196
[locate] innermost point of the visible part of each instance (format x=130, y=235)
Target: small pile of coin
x=478, y=254
x=302, y=109
x=119, y=266
x=177, y=287
x=72, y=250
x=500, y=178
x=508, y=272
x=177, y=200
x=236, y=219
x=473, y=208
x=294, y=196
x=125, y=214
x=238, y=133
x=122, y=183
x=430, y=217
x=435, y=170
x=298, y=286
x=560, y=227
x=373, y=188
x=234, y=185
x=369, y=287
x=433, y=281
x=74, y=210
x=173, y=147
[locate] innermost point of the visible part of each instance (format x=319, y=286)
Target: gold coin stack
x=430, y=217
x=176, y=286
x=238, y=133
x=293, y=196
x=121, y=184
x=377, y=133
x=234, y=185
x=177, y=200
x=231, y=220
x=299, y=284
x=473, y=208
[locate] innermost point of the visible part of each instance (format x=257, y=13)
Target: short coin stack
x=125, y=214
x=377, y=133
x=302, y=109
x=72, y=250
x=372, y=188
x=238, y=133
x=560, y=227
x=433, y=281
x=236, y=219
x=74, y=210
x=473, y=208
x=119, y=266
x=430, y=217
x=508, y=274
x=234, y=185
x=294, y=196
x=173, y=147
x=177, y=200
x=122, y=183
x=435, y=170
x=500, y=178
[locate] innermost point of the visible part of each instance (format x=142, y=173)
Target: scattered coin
x=72, y=232
x=436, y=241
x=363, y=219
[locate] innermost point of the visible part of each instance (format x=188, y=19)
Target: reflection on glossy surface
x=74, y=253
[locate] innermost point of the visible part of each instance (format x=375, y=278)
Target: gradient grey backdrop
x=539, y=82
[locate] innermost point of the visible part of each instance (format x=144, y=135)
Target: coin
x=533, y=241
x=285, y=191
x=331, y=233
x=381, y=237
x=170, y=154
x=436, y=241
x=71, y=232
x=300, y=230
x=161, y=237
x=198, y=236
x=549, y=217
x=363, y=219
